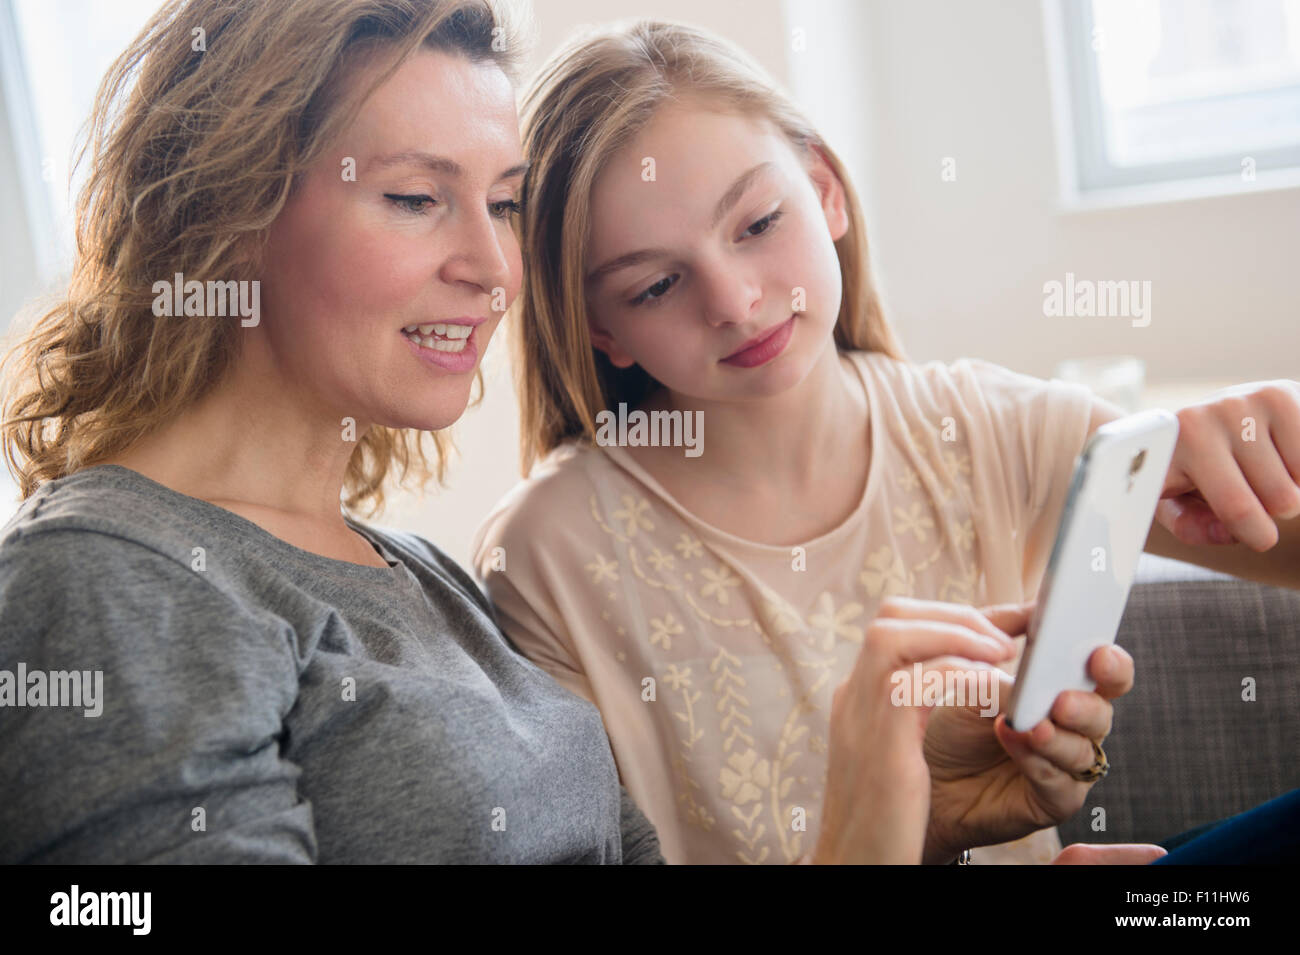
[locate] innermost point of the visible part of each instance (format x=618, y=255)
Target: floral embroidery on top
x=885, y=574
x=718, y=582
x=659, y=560
x=602, y=569
x=908, y=480
x=914, y=520
x=633, y=515
x=689, y=547
x=737, y=757
x=832, y=623
x=663, y=630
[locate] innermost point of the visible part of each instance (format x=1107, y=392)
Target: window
x=53, y=54
x=1161, y=91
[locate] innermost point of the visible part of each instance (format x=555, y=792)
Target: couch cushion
x=1186, y=748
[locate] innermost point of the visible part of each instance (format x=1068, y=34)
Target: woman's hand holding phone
x=1236, y=469
x=992, y=784
x=1120, y=853
x=877, y=803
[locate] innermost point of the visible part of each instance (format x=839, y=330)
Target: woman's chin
x=437, y=420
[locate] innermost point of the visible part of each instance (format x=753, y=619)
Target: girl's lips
x=453, y=361
x=765, y=349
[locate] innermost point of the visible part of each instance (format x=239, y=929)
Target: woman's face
x=405, y=221
x=730, y=242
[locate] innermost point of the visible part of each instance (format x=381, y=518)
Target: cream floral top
x=712, y=658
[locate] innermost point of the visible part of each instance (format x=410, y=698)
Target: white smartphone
x=1108, y=511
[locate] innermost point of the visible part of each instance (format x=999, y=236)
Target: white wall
x=907, y=82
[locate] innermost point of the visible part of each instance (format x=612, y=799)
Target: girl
x=693, y=248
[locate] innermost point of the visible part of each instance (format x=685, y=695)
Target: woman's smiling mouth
x=449, y=337
x=450, y=345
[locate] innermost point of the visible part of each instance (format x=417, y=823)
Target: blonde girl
x=693, y=248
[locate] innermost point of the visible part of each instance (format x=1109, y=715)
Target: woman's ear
x=602, y=340
x=830, y=191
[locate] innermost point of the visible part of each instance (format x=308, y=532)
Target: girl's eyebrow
x=729, y=199
x=623, y=262
x=737, y=189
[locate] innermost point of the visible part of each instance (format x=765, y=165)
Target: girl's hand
x=992, y=784
x=877, y=802
x=1236, y=467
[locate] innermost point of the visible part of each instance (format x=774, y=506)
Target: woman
x=280, y=682
x=273, y=679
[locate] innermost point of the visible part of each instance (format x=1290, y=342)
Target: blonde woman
x=277, y=681
x=695, y=253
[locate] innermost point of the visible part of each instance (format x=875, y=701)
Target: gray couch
x=1186, y=749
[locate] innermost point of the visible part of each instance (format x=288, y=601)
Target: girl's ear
x=602, y=340
x=830, y=191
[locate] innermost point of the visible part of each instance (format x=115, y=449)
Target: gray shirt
x=261, y=703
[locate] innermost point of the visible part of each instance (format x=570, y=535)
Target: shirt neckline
x=263, y=538
x=622, y=459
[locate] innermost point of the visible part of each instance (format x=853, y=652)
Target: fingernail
x=1109, y=663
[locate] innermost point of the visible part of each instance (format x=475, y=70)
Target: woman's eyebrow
x=416, y=157
x=729, y=199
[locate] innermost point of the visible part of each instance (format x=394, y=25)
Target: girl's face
x=406, y=221
x=709, y=234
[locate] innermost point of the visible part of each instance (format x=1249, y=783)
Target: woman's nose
x=482, y=255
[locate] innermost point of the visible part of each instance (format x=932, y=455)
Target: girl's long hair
x=589, y=99
x=197, y=140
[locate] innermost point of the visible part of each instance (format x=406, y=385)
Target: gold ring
x=1099, y=768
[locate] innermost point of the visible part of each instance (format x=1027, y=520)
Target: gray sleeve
x=183, y=762
x=640, y=841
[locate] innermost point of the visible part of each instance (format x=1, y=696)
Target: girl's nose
x=731, y=297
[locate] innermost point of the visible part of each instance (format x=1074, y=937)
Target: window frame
x=1087, y=176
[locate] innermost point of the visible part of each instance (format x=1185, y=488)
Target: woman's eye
x=506, y=208
x=655, y=291
x=415, y=204
x=763, y=224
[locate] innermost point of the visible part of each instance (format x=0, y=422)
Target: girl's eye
x=506, y=208
x=415, y=204
x=763, y=224
x=658, y=290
